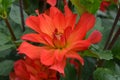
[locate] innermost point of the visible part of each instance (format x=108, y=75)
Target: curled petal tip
x=95, y=37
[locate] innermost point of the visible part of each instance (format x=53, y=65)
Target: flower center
x=58, y=39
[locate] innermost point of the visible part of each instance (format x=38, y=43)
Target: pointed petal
x=20, y=70
x=46, y=24
x=33, y=23
x=69, y=17
x=85, y=23
x=87, y=20
x=59, y=22
x=80, y=45
x=58, y=19
x=47, y=57
x=33, y=38
x=75, y=55
x=54, y=11
x=52, y=2
x=68, y=12
x=31, y=51
x=59, y=66
x=59, y=55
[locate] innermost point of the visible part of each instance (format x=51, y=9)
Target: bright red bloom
x=31, y=70
x=106, y=3
x=61, y=37
x=52, y=2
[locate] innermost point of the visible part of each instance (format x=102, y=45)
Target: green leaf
x=107, y=55
x=4, y=39
x=89, y=53
x=88, y=68
x=70, y=73
x=4, y=53
x=7, y=46
x=6, y=67
x=105, y=74
x=116, y=49
x=15, y=14
x=86, y=5
x=101, y=54
x=80, y=8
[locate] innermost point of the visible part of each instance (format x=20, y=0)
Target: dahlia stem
x=44, y=5
x=114, y=39
x=112, y=29
x=21, y=14
x=10, y=29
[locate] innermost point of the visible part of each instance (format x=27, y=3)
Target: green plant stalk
x=44, y=5
x=112, y=30
x=10, y=29
x=21, y=14
x=114, y=39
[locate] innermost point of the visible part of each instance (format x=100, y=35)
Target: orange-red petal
x=59, y=66
x=47, y=57
x=33, y=38
x=85, y=23
x=31, y=51
x=95, y=37
x=33, y=23
x=75, y=55
x=52, y=2
x=20, y=70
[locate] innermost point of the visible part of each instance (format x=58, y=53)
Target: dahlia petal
x=68, y=12
x=20, y=70
x=31, y=51
x=33, y=23
x=59, y=66
x=75, y=55
x=46, y=24
x=58, y=19
x=59, y=55
x=85, y=23
x=33, y=38
x=87, y=20
x=47, y=57
x=67, y=32
x=80, y=45
x=52, y=2
x=95, y=37
x=59, y=22
x=54, y=11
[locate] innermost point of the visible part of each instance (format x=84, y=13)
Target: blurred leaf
x=106, y=74
x=4, y=39
x=97, y=52
x=116, y=49
x=88, y=68
x=15, y=14
x=113, y=67
x=5, y=67
x=86, y=5
x=107, y=55
x=80, y=8
x=89, y=53
x=4, y=5
x=7, y=46
x=70, y=73
x=5, y=52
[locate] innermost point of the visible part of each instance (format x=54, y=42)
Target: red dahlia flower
x=106, y=3
x=52, y=2
x=61, y=37
x=31, y=70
